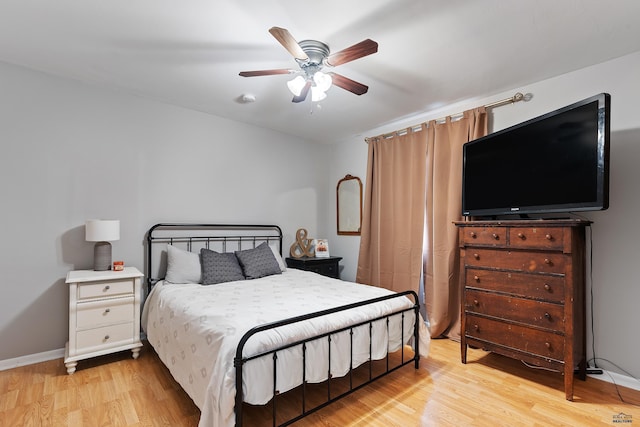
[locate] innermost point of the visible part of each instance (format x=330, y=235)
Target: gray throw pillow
x=182, y=266
x=258, y=262
x=219, y=267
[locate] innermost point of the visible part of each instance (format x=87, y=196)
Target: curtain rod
x=515, y=98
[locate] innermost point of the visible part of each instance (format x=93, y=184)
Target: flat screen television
x=558, y=162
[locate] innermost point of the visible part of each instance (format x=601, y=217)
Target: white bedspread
x=195, y=330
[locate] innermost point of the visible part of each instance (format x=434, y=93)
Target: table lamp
x=102, y=231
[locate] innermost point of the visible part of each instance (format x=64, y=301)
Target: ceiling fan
x=312, y=56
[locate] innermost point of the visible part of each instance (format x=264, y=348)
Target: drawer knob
x=106, y=337
x=107, y=310
x=476, y=302
x=548, y=237
x=476, y=256
x=547, y=316
x=520, y=235
x=495, y=236
x=547, y=287
x=548, y=261
x=548, y=345
x=106, y=288
x=472, y=234
x=476, y=278
x=476, y=328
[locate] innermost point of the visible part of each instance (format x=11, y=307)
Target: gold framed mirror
x=349, y=205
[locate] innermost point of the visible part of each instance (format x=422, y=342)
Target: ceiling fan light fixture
x=317, y=94
x=323, y=81
x=295, y=85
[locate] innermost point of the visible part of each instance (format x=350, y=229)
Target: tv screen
x=558, y=162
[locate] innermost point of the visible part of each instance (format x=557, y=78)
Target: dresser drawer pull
x=107, y=310
x=476, y=328
x=476, y=256
x=476, y=302
x=106, y=337
x=547, y=316
x=548, y=237
x=547, y=287
x=476, y=278
x=548, y=261
x=520, y=235
x=106, y=288
x=472, y=234
x=548, y=345
x=495, y=236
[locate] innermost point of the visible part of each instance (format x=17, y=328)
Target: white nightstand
x=104, y=314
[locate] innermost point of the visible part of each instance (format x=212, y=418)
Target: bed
x=233, y=338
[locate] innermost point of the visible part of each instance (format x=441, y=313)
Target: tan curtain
x=393, y=217
x=444, y=205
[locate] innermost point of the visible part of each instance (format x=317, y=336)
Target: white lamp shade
x=323, y=81
x=102, y=230
x=317, y=94
x=296, y=85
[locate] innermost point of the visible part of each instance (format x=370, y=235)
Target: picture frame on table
x=321, y=248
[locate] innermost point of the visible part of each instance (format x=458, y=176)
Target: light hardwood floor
x=490, y=390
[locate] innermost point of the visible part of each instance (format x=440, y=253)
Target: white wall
x=72, y=152
x=615, y=233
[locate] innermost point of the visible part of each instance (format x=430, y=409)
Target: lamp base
x=102, y=256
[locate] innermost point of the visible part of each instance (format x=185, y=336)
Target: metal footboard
x=240, y=360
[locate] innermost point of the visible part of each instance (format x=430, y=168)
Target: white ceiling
x=432, y=53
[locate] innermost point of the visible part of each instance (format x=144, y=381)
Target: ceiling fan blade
x=303, y=93
x=348, y=84
x=286, y=39
x=358, y=50
x=266, y=72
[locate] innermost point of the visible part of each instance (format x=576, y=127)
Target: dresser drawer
x=494, y=236
x=522, y=338
x=528, y=261
x=550, y=238
x=535, y=313
x=105, y=336
x=107, y=312
x=536, y=286
x=105, y=289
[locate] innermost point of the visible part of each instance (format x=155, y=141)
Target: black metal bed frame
x=260, y=233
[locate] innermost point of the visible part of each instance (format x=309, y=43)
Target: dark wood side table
x=326, y=266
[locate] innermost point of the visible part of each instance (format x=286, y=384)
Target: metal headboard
x=193, y=237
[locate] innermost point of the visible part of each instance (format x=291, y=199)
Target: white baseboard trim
x=619, y=379
x=30, y=359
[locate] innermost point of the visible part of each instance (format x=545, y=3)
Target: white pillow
x=182, y=266
x=276, y=253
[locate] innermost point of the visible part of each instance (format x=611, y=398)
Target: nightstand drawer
x=105, y=289
x=105, y=336
x=102, y=313
x=329, y=266
x=330, y=270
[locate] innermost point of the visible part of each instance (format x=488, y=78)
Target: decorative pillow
x=276, y=254
x=258, y=262
x=182, y=266
x=219, y=267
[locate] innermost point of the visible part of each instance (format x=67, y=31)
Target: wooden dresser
x=523, y=292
